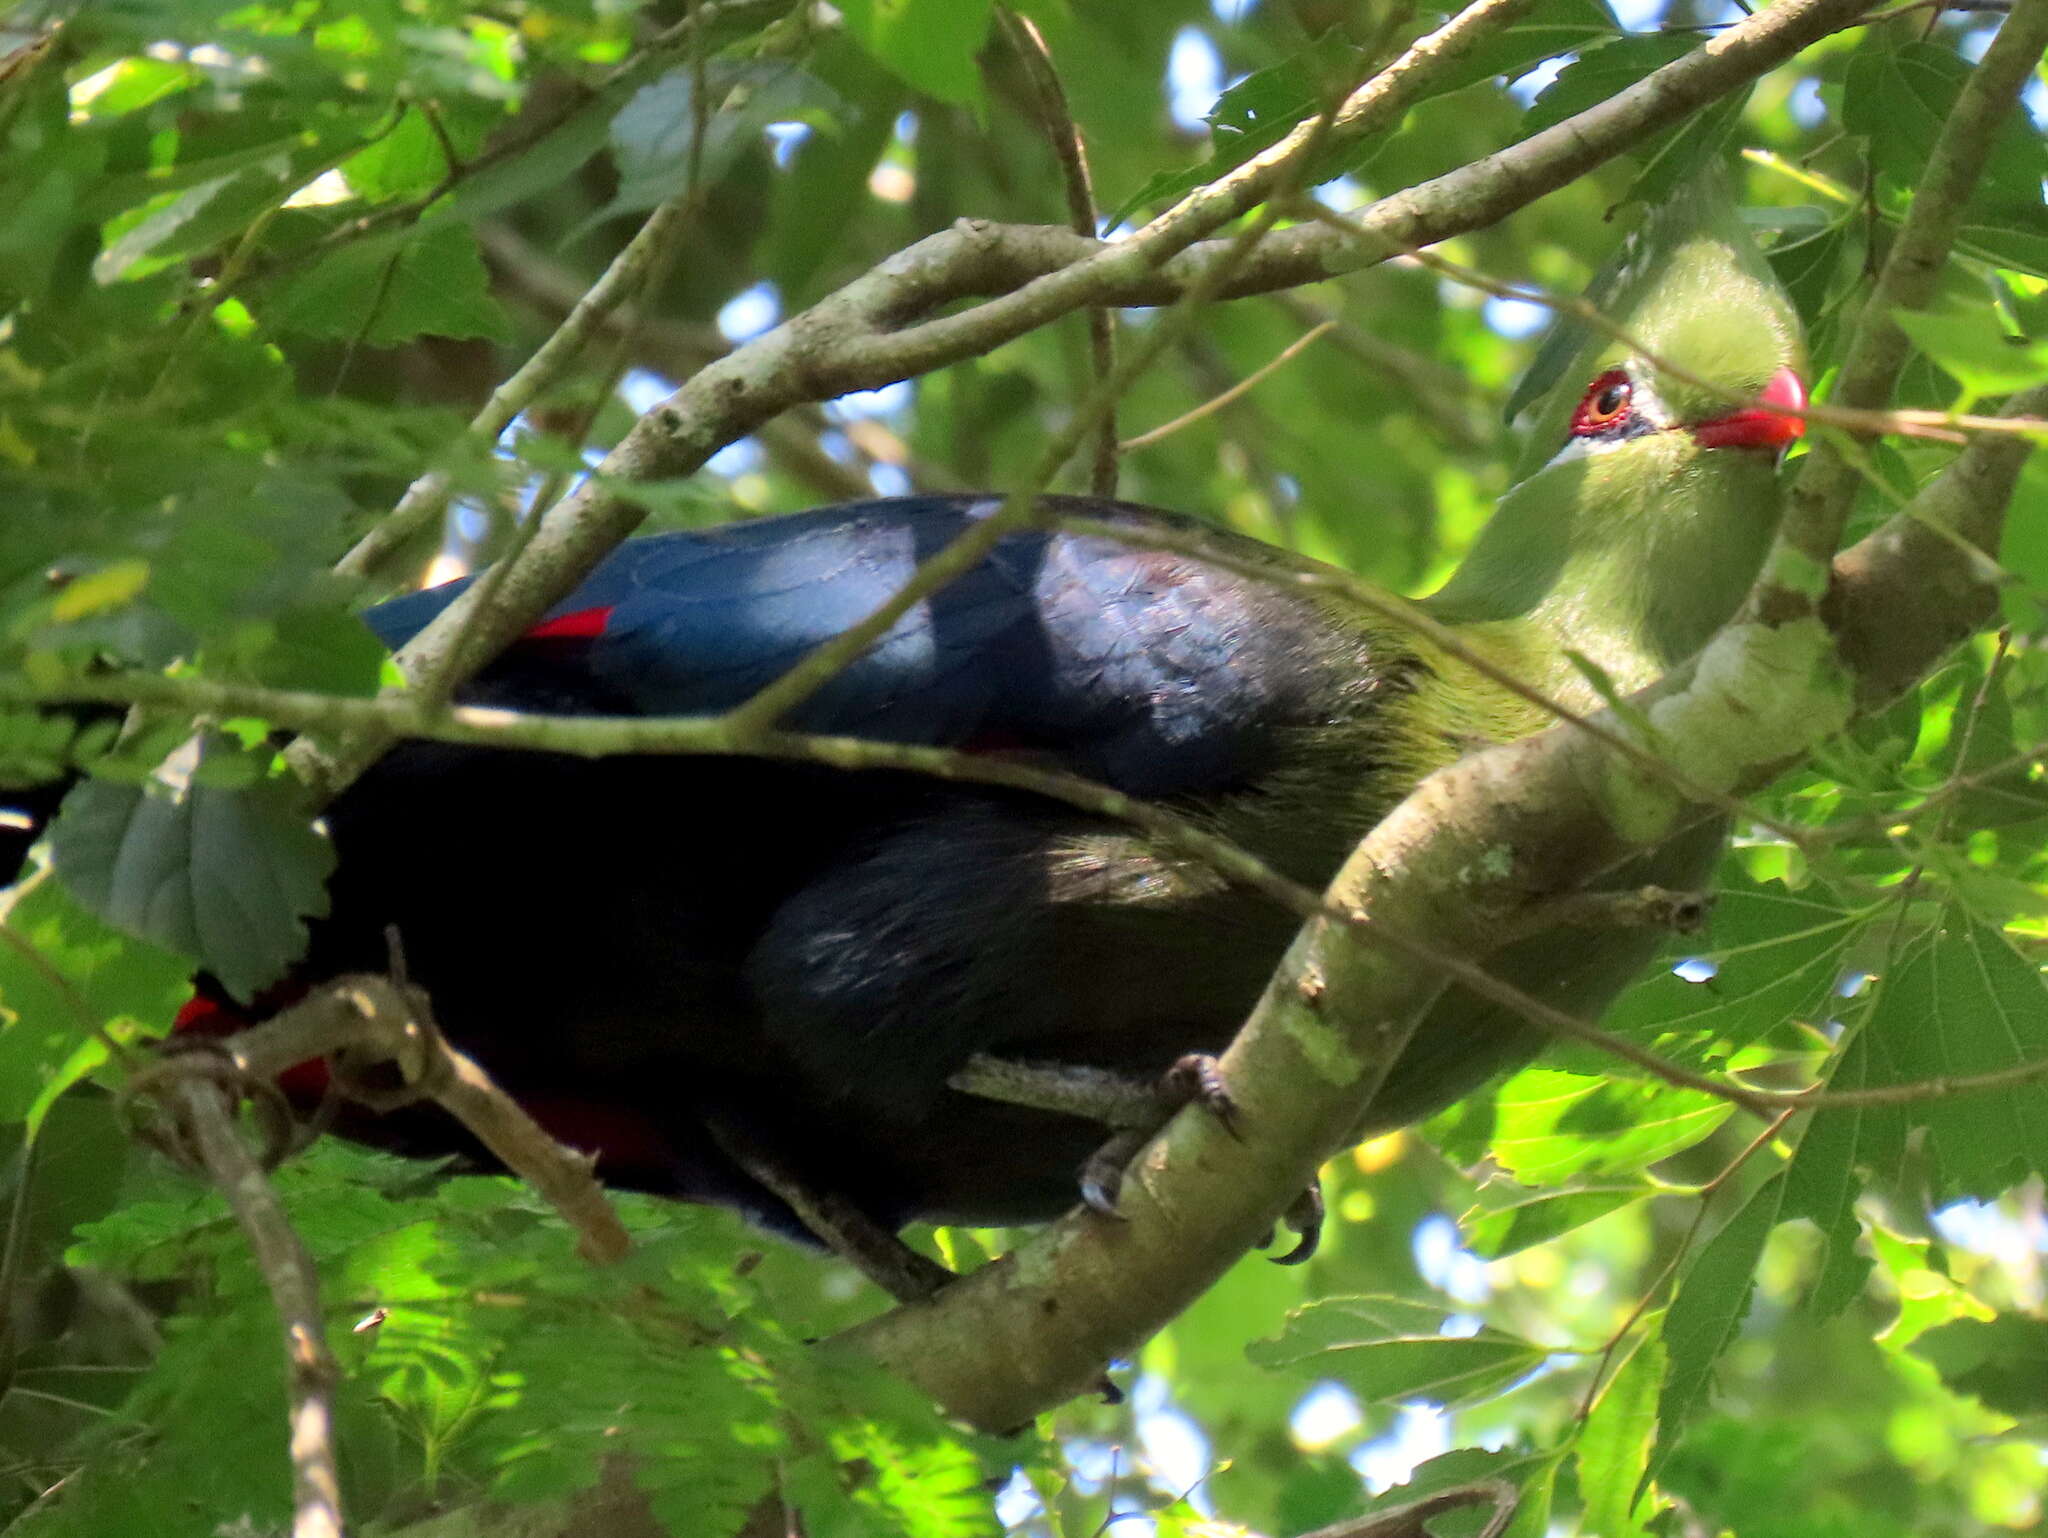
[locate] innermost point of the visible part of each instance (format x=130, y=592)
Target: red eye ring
x=1604, y=405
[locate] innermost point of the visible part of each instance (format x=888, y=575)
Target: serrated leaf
x=225, y=877
x=2002, y=1361
x=1960, y=1002
x=1599, y=73
x=1474, y=1469
x=1777, y=955
x=1614, y=1448
x=65, y=976
x=1387, y=1348
x=1549, y=29
x=655, y=137
x=1821, y=1181
x=1669, y=157
x=1255, y=114
x=1900, y=95
x=1807, y=266
x=1709, y=1308
x=1551, y=1125
x=433, y=284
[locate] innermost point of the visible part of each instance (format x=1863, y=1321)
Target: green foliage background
x=258, y=264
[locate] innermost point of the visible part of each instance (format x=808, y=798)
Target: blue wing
x=1151, y=671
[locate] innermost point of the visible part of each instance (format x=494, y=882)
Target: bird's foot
x=1133, y=1106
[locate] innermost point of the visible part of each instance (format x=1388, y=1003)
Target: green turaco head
x=1648, y=494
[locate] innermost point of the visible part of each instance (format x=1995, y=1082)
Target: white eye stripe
x=1645, y=406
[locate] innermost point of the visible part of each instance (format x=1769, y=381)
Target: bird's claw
x=1304, y=1217
x=1102, y=1177
x=1196, y=1078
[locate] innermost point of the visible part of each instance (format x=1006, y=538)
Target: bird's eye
x=1605, y=404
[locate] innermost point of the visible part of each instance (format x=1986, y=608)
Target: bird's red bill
x=1760, y=426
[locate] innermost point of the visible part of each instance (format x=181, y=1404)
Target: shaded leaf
x=1387, y=1348
x=224, y=875
x=2002, y=1361
x=1709, y=1308
x=434, y=284
x=1962, y=1001
x=1549, y=29
x=931, y=44
x=1972, y=348
x=1777, y=955
x=1255, y=114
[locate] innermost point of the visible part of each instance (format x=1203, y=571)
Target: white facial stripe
x=1644, y=405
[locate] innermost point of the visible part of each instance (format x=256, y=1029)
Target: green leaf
x=655, y=136
x=226, y=876
x=1552, y=1125
x=64, y=975
x=408, y=162
x=932, y=44
x=1976, y=351
x=1255, y=114
x=434, y=284
x=2002, y=1361
x=1778, y=955
x=1708, y=1310
x=1668, y=158
x=1470, y=1468
x=1899, y=96
x=1524, y=1220
x=1601, y=72
x=1547, y=30
x=1614, y=1447
x=1821, y=1182
x=1960, y=1002
x=826, y=185
x=1387, y=1348
x=1807, y=267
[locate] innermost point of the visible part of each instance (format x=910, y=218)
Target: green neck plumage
x=1631, y=561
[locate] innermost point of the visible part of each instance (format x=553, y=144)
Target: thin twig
x=1412, y=1518
x=1706, y=1195
x=872, y=332
x=824, y=662
x=1217, y=402
x=1056, y=118
x=1869, y=422
x=485, y=727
